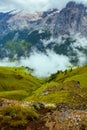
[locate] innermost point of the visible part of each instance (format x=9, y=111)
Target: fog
x=44, y=64
x=79, y=47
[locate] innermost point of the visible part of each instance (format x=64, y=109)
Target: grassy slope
x=79, y=74
x=16, y=83
x=64, y=87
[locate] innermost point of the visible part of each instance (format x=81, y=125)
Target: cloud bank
x=79, y=47
x=44, y=64
x=34, y=5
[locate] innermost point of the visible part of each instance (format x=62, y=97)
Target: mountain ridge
x=61, y=32
x=51, y=45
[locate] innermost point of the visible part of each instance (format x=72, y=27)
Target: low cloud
x=46, y=64
x=79, y=47
x=51, y=62
x=43, y=64
x=6, y=62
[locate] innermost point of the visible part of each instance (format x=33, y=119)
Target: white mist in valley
x=80, y=48
x=44, y=64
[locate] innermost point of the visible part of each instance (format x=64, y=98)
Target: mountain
x=52, y=45
x=57, y=30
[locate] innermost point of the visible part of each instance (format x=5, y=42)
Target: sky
x=33, y=5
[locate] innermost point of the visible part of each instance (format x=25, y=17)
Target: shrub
x=16, y=115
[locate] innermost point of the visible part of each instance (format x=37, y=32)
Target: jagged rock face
x=33, y=28
x=72, y=19
x=3, y=22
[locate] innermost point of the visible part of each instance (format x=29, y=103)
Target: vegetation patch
x=17, y=83
x=16, y=116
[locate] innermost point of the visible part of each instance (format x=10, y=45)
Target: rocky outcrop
x=68, y=120
x=50, y=117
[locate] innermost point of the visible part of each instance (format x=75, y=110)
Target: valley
x=43, y=65
x=45, y=99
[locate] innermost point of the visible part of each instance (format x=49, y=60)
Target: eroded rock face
x=68, y=120
x=72, y=19
x=34, y=28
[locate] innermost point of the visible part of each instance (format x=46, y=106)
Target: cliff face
x=72, y=19
x=43, y=26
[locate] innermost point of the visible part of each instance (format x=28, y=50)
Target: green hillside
x=64, y=87
x=35, y=102
x=69, y=86
x=16, y=83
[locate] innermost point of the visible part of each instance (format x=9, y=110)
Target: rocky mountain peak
x=72, y=18
x=71, y=4
x=49, y=12
x=76, y=6
x=34, y=28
